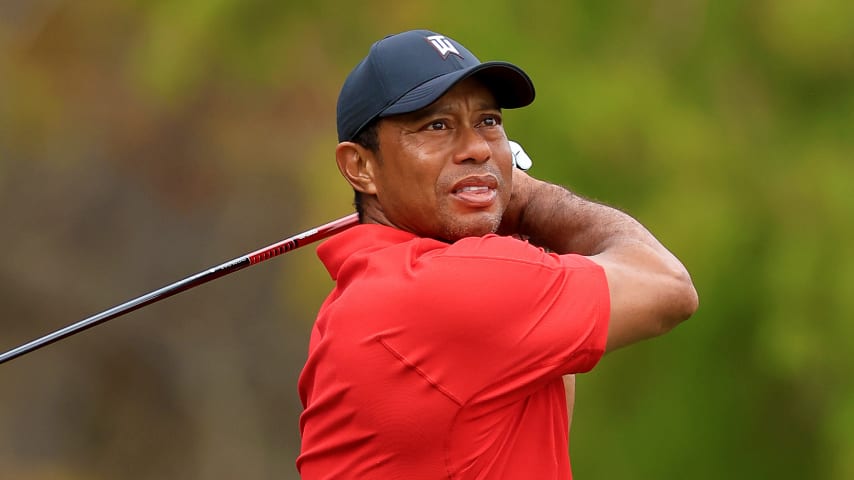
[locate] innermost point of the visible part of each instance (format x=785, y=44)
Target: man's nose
x=473, y=147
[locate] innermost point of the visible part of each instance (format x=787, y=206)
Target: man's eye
x=491, y=121
x=436, y=125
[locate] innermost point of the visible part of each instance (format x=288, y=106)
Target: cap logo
x=443, y=46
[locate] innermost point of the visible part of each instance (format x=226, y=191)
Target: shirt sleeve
x=495, y=316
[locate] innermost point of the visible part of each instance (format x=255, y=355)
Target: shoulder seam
x=402, y=359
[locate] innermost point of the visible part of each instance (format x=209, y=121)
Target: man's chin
x=478, y=228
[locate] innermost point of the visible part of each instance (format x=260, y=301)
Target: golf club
x=258, y=256
x=520, y=159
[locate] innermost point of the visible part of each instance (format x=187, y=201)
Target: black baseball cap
x=408, y=71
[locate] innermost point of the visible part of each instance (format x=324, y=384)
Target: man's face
x=445, y=171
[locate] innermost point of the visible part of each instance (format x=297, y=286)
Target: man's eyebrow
x=428, y=111
x=436, y=109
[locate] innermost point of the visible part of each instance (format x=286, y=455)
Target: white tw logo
x=443, y=46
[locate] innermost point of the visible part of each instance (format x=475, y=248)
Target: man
x=440, y=352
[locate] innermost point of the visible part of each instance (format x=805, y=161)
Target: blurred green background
x=143, y=141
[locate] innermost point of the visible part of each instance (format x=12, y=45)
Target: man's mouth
x=473, y=188
x=477, y=192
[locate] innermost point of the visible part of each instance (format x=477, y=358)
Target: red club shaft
x=258, y=256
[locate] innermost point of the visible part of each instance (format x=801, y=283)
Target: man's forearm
x=564, y=222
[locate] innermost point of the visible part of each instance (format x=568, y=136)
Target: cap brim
x=511, y=86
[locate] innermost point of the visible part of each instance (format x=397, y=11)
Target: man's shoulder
x=501, y=248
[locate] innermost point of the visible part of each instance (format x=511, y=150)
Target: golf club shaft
x=218, y=271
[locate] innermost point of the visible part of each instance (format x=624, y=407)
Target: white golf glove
x=521, y=160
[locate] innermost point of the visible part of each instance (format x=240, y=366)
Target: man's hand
x=523, y=184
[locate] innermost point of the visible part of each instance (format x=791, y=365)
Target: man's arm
x=650, y=289
x=569, y=390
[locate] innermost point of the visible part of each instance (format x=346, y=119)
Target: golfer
x=469, y=289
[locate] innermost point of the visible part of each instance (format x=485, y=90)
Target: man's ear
x=357, y=164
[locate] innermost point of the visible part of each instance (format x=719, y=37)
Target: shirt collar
x=361, y=238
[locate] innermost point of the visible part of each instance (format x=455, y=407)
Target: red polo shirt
x=431, y=360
